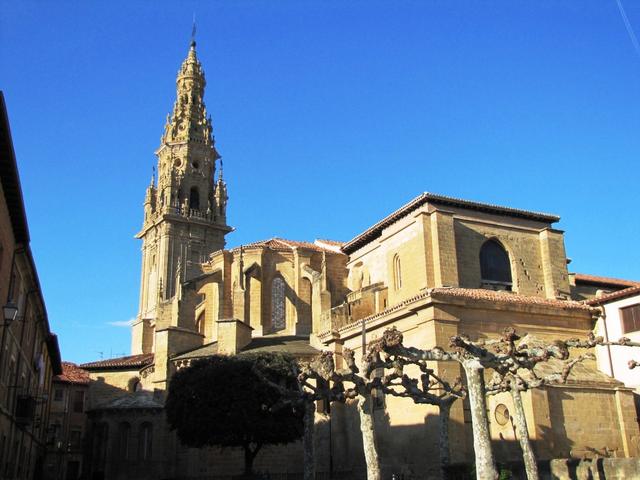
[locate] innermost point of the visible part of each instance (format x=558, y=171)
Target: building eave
x=376, y=230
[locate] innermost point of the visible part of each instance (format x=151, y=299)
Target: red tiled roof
x=128, y=362
x=71, y=373
x=507, y=297
x=330, y=242
x=476, y=294
x=376, y=230
x=609, y=297
x=283, y=245
x=614, y=282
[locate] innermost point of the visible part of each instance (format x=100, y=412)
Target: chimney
x=233, y=335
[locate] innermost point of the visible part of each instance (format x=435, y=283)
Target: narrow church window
x=124, y=432
x=200, y=324
x=145, y=441
x=134, y=385
x=397, y=273
x=278, y=320
x=194, y=199
x=495, y=267
x=102, y=435
x=78, y=401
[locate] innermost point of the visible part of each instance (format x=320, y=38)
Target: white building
x=620, y=318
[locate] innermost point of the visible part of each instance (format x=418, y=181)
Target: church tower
x=185, y=211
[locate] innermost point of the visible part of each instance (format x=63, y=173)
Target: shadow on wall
x=127, y=436
x=410, y=451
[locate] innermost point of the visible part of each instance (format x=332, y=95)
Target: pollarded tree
x=515, y=372
x=220, y=401
x=314, y=380
x=509, y=362
x=473, y=358
x=364, y=383
x=430, y=390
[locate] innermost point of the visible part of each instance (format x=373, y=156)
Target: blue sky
x=329, y=115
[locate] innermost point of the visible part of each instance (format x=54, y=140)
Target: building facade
x=29, y=354
x=67, y=424
x=436, y=267
x=620, y=317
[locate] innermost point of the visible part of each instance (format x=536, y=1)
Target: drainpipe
x=603, y=315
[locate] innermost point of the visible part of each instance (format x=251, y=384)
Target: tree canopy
x=220, y=401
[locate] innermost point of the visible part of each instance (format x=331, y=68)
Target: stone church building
x=435, y=267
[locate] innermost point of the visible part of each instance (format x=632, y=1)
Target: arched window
x=102, y=438
x=194, y=199
x=278, y=317
x=495, y=267
x=200, y=323
x=397, y=272
x=134, y=385
x=124, y=434
x=145, y=441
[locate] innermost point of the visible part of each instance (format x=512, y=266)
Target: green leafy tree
x=221, y=401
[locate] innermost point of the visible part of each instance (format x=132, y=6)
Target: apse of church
x=185, y=210
x=275, y=286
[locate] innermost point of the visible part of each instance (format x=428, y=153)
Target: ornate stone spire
x=189, y=121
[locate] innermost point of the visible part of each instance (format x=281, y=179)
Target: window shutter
x=630, y=317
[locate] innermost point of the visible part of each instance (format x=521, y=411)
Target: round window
x=196, y=165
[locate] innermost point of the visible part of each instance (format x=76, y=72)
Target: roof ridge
x=139, y=359
x=376, y=230
x=587, y=277
x=626, y=292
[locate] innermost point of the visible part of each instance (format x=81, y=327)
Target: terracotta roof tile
x=376, y=230
x=131, y=361
x=294, y=345
x=609, y=297
x=71, y=373
x=507, y=297
x=594, y=279
x=475, y=294
x=141, y=400
x=282, y=244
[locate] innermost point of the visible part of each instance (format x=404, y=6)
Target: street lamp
x=10, y=312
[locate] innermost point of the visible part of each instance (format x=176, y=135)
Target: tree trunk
x=485, y=465
x=520, y=422
x=367, y=427
x=249, y=457
x=307, y=440
x=445, y=460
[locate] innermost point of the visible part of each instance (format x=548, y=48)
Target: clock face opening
x=501, y=414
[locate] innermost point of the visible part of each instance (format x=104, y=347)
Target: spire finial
x=220, y=177
x=153, y=175
x=193, y=32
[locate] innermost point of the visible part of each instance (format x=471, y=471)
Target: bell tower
x=185, y=210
